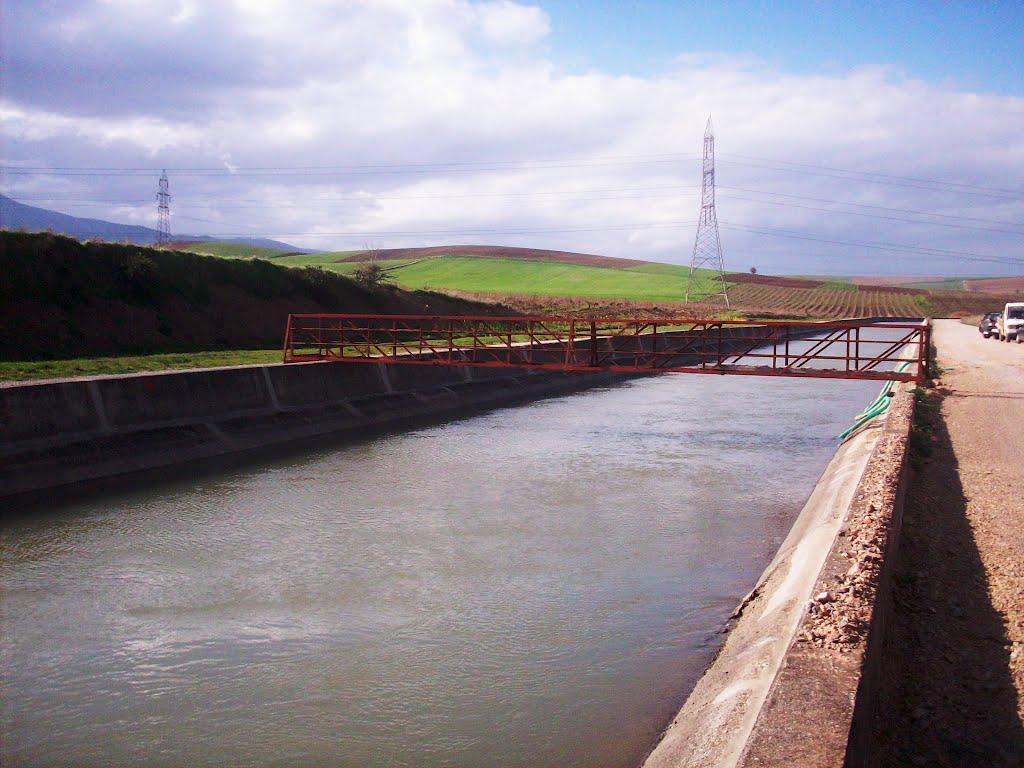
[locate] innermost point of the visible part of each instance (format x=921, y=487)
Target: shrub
x=370, y=275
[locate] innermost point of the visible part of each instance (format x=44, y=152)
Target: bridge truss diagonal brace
x=845, y=349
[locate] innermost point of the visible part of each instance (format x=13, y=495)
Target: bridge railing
x=855, y=349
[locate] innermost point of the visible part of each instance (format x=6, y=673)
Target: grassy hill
x=644, y=283
x=494, y=252
x=514, y=272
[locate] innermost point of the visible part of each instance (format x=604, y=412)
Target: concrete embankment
x=71, y=432
x=794, y=682
x=66, y=433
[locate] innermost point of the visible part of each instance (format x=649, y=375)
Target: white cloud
x=150, y=135
x=506, y=22
x=186, y=12
x=327, y=84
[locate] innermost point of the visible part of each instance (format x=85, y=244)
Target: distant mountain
x=15, y=215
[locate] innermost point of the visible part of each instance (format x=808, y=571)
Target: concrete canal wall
x=63, y=433
x=69, y=432
x=794, y=682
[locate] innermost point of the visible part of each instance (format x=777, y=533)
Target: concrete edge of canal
x=794, y=681
x=74, y=434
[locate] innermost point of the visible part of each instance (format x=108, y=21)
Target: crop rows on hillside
x=823, y=301
x=1008, y=285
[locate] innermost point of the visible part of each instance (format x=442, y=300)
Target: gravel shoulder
x=955, y=684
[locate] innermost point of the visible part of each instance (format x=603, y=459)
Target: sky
x=851, y=138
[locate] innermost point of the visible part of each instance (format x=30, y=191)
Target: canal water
x=535, y=586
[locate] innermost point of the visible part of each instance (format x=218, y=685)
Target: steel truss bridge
x=847, y=349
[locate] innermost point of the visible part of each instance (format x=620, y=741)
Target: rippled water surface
x=536, y=586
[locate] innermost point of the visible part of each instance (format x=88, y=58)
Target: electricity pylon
x=707, y=247
x=163, y=211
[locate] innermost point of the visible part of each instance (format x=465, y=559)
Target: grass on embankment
x=27, y=370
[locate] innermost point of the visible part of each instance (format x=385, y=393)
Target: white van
x=1010, y=322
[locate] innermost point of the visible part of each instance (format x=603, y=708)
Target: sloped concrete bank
x=62, y=434
x=794, y=681
x=71, y=432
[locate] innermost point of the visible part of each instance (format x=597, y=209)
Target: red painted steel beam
x=725, y=370
x=671, y=320
x=628, y=345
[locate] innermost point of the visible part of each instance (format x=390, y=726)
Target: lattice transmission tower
x=163, y=211
x=707, y=247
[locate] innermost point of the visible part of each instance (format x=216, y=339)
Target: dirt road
x=955, y=694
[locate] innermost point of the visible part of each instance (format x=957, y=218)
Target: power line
x=221, y=223
x=877, y=216
x=958, y=217
x=875, y=173
x=892, y=247
x=674, y=189
x=895, y=247
x=886, y=181
x=313, y=171
x=273, y=202
x=668, y=157
x=934, y=185
x=262, y=205
x=911, y=251
x=268, y=202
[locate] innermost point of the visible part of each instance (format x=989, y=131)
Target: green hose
x=879, y=406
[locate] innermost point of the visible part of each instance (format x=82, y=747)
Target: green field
x=334, y=261
x=104, y=366
x=235, y=250
x=952, y=284
x=945, y=284
x=504, y=277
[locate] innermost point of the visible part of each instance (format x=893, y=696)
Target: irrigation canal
x=535, y=586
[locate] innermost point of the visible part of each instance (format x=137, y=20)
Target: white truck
x=1011, y=323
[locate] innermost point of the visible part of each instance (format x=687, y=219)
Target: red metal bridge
x=847, y=349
